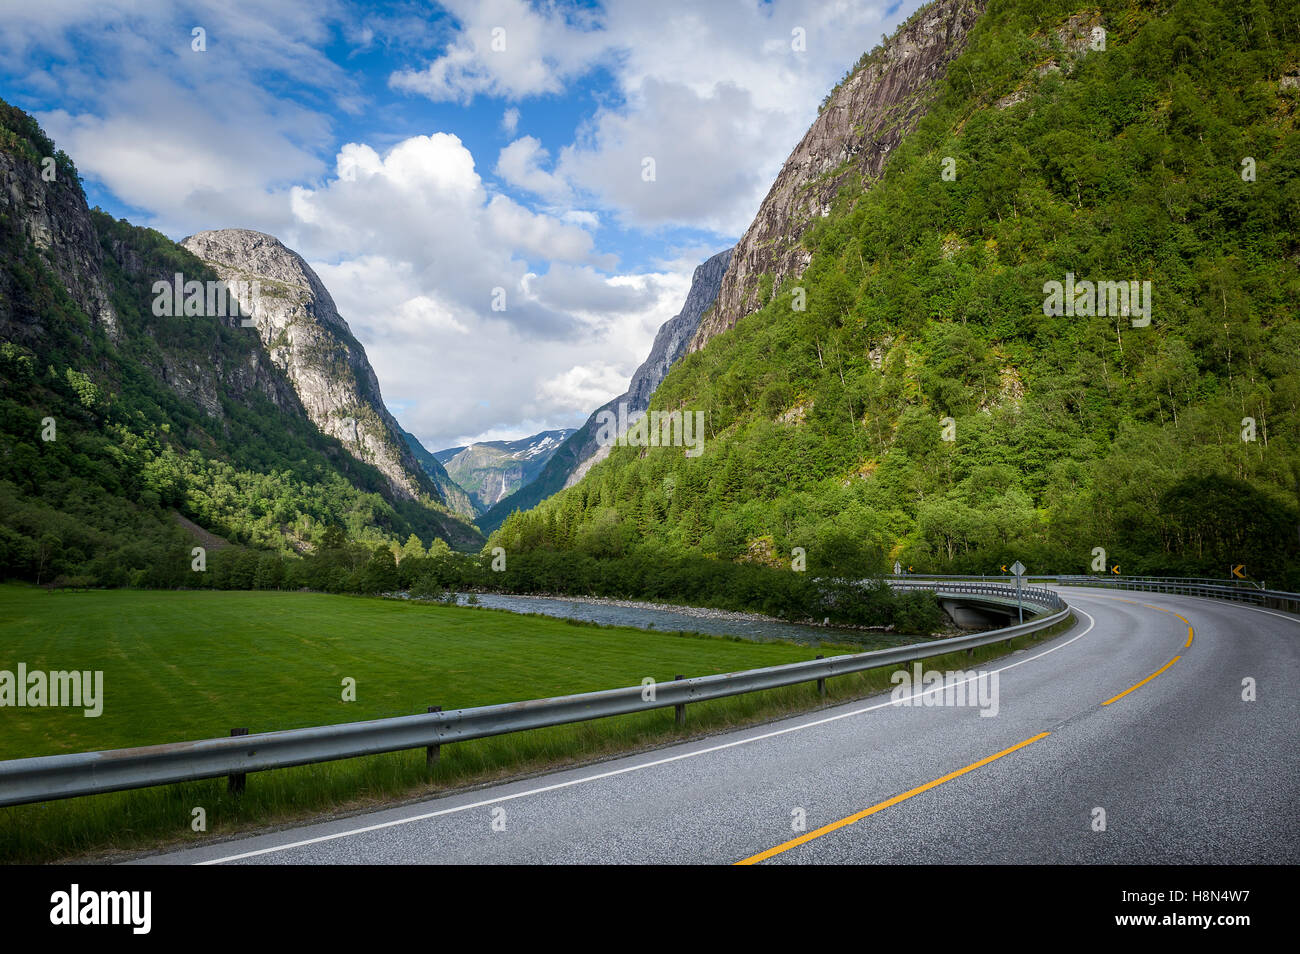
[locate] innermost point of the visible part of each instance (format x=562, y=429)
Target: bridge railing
x=1033, y=596
x=89, y=773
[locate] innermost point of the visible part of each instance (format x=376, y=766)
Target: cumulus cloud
x=412, y=244
x=686, y=136
x=423, y=207
x=520, y=164
x=585, y=386
x=507, y=48
x=716, y=94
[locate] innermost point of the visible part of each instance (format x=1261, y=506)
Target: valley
x=555, y=375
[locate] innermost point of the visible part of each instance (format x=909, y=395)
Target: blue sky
x=421, y=155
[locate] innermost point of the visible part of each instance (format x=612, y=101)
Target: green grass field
x=192, y=665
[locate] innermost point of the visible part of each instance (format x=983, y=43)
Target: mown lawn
x=193, y=665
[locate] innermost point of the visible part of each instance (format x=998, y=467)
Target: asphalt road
x=1184, y=768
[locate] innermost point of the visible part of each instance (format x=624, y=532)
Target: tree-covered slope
x=112, y=418
x=924, y=319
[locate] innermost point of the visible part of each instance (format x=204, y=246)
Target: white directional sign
x=1017, y=569
x=898, y=568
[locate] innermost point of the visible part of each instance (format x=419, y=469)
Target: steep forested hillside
x=113, y=419
x=1164, y=150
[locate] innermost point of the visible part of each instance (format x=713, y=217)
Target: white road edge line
x=631, y=768
x=1205, y=599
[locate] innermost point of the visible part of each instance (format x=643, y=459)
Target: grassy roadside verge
x=556, y=658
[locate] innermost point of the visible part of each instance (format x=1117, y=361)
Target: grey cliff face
x=306, y=337
x=855, y=134
x=675, y=334
x=53, y=215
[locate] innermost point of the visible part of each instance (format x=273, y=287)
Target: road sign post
x=1018, y=570
x=235, y=782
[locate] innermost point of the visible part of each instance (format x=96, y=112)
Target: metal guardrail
x=1239, y=591
x=1196, y=580
x=985, y=577
x=1276, y=599
x=88, y=773
x=1036, y=595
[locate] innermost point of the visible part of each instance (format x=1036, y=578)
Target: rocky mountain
x=308, y=339
x=51, y=215
x=581, y=450
x=859, y=126
x=489, y=471
x=125, y=406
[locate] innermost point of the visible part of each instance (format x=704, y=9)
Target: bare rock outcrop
x=308, y=339
x=854, y=135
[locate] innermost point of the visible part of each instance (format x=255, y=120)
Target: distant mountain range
x=457, y=499
x=489, y=471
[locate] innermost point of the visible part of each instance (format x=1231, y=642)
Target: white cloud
x=412, y=244
x=520, y=164
x=506, y=48
x=510, y=120
x=585, y=386
x=544, y=236
x=701, y=147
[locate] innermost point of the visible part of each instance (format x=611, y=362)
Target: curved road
x=1184, y=768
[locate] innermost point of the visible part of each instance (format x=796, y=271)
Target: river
x=662, y=618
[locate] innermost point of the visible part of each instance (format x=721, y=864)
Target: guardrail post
x=680, y=710
x=431, y=752
x=235, y=783
x=821, y=683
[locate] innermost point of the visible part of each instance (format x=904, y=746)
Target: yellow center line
x=889, y=803
x=1190, y=632
x=1143, y=682
x=833, y=826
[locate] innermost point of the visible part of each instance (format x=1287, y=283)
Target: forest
x=912, y=391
